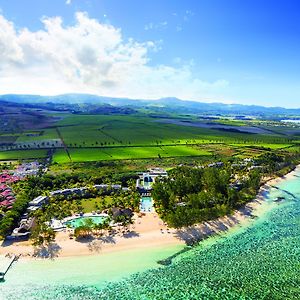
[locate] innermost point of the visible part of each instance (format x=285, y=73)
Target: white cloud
x=68, y=2
x=187, y=15
x=91, y=57
x=157, y=26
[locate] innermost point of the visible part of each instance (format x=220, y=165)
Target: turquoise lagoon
x=259, y=260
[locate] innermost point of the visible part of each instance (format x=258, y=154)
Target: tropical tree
x=42, y=234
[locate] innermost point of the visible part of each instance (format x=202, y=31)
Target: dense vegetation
x=192, y=195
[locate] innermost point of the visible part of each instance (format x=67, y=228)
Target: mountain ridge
x=169, y=103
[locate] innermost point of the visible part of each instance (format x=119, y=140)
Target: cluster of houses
x=7, y=177
x=7, y=197
x=27, y=169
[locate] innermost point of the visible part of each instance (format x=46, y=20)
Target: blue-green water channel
x=260, y=260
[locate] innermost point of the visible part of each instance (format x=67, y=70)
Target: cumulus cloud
x=68, y=2
x=90, y=57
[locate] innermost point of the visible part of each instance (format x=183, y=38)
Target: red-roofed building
x=5, y=203
x=6, y=193
x=6, y=177
x=3, y=187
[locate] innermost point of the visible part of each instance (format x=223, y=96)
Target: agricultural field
x=47, y=134
x=22, y=154
x=8, y=138
x=80, y=138
x=89, y=131
x=123, y=153
x=92, y=130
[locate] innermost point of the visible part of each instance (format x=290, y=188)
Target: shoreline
x=148, y=232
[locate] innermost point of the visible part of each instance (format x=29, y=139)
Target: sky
x=229, y=51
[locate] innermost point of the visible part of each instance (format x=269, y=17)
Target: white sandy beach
x=148, y=232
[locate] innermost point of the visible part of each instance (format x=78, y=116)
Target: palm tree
x=99, y=227
x=42, y=234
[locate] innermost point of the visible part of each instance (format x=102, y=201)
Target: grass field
x=22, y=154
x=117, y=153
x=93, y=204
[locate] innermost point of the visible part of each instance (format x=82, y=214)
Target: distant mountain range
x=160, y=105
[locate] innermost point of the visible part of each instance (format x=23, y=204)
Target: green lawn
x=22, y=154
x=94, y=204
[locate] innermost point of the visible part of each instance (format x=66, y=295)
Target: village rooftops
x=3, y=187
x=5, y=203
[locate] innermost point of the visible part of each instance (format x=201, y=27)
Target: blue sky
x=206, y=50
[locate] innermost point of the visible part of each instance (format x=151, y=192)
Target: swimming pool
x=146, y=204
x=74, y=223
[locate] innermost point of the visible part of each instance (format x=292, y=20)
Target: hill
x=160, y=105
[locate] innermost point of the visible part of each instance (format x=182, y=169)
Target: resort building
x=106, y=187
x=145, y=180
x=39, y=201
x=218, y=164
x=23, y=231
x=144, y=186
x=31, y=209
